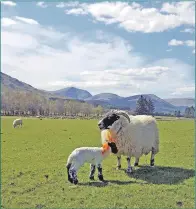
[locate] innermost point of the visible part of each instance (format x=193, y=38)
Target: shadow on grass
x=162, y=175
x=106, y=183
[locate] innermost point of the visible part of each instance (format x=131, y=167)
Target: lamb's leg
x=118, y=162
x=129, y=169
x=92, y=172
x=136, y=161
x=152, y=157
x=70, y=179
x=100, y=174
x=73, y=172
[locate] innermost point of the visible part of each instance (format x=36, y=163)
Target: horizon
x=96, y=46
x=109, y=92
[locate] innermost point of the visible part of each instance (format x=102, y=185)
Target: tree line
x=28, y=103
x=146, y=107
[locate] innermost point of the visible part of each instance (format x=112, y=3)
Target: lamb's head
x=114, y=119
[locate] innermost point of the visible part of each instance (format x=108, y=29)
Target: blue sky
x=118, y=47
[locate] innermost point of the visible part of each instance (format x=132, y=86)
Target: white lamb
x=93, y=155
x=17, y=122
x=133, y=135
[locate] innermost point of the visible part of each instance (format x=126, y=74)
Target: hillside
x=113, y=100
x=10, y=83
x=72, y=92
x=108, y=100
x=181, y=101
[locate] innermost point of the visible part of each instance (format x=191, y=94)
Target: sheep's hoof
x=91, y=178
x=101, y=177
x=129, y=171
x=75, y=181
x=118, y=167
x=70, y=180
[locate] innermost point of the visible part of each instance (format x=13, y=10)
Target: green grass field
x=41, y=148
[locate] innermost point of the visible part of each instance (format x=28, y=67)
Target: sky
x=120, y=47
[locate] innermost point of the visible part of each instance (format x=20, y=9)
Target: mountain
x=108, y=100
x=72, y=93
x=10, y=83
x=115, y=101
x=181, y=101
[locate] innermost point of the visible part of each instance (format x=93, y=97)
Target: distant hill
x=116, y=101
x=8, y=82
x=73, y=93
x=181, y=101
x=108, y=100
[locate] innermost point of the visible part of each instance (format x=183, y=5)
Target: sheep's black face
x=108, y=121
x=113, y=147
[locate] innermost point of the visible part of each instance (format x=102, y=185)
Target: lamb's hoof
x=136, y=164
x=101, y=177
x=118, y=167
x=129, y=171
x=91, y=178
x=75, y=181
x=70, y=180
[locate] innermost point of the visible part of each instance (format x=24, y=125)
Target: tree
x=151, y=107
x=189, y=112
x=141, y=107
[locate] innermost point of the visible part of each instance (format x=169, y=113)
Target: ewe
x=133, y=135
x=93, y=155
x=17, y=122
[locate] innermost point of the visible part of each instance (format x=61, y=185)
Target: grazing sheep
x=17, y=122
x=133, y=135
x=93, y=155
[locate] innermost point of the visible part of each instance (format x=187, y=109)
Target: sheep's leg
x=100, y=174
x=70, y=179
x=129, y=169
x=136, y=161
x=92, y=172
x=152, y=157
x=119, y=162
x=73, y=172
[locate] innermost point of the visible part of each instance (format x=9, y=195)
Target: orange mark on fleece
x=109, y=136
x=105, y=148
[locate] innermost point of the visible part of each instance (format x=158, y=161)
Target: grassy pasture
x=41, y=148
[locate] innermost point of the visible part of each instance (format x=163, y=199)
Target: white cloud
x=42, y=4
x=7, y=22
x=188, y=30
x=27, y=20
x=185, y=89
x=134, y=17
x=169, y=50
x=8, y=3
x=174, y=42
x=68, y=4
x=194, y=51
x=77, y=11
x=48, y=59
x=190, y=43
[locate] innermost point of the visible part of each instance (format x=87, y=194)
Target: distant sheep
x=93, y=155
x=133, y=135
x=17, y=122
